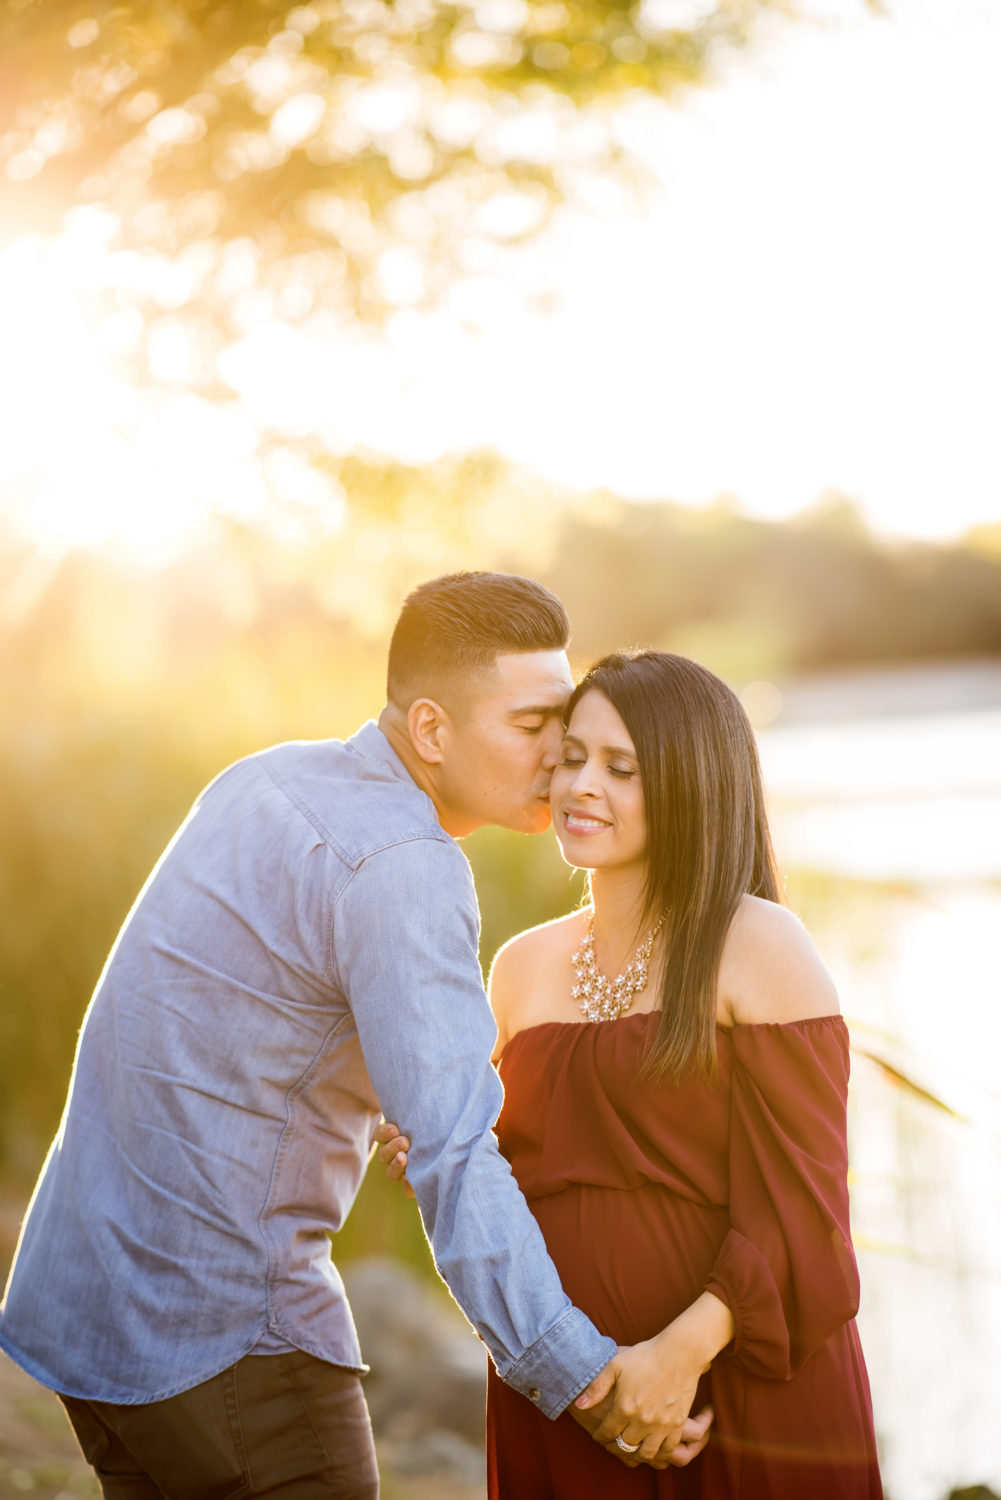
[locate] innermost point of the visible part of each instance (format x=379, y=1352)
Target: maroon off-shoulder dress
x=647, y=1196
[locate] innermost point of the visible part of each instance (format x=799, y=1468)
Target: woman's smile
x=575, y=821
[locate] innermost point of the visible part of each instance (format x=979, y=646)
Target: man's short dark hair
x=458, y=624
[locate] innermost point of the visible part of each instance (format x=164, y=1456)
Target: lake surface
x=900, y=811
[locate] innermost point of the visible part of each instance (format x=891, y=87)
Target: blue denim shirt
x=305, y=949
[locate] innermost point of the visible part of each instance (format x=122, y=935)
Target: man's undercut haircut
x=456, y=626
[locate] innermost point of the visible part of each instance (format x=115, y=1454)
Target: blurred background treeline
x=124, y=691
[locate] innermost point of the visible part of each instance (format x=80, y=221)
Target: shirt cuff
x=560, y=1364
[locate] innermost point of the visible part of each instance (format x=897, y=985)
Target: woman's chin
x=573, y=856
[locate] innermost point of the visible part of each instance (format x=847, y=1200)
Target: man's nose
x=553, y=745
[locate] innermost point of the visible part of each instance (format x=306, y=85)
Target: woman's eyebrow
x=606, y=749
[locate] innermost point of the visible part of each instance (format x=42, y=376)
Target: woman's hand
x=654, y=1388
x=646, y=1392
x=694, y=1437
x=393, y=1151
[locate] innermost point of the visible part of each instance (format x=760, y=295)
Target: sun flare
x=89, y=459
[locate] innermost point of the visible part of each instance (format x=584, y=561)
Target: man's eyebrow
x=545, y=710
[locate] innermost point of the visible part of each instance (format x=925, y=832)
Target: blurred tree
x=752, y=598
x=347, y=154
x=985, y=538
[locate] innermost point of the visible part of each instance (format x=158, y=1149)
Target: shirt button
x=535, y=1394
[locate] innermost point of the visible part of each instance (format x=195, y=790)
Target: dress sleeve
x=787, y=1268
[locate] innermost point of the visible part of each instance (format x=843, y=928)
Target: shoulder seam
x=420, y=835
x=307, y=812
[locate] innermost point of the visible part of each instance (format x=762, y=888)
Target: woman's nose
x=583, y=782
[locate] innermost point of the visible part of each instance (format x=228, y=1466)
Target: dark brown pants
x=283, y=1425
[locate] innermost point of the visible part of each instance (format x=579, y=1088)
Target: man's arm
x=614, y=1381
x=404, y=951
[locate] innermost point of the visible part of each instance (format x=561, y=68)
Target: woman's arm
x=786, y=1268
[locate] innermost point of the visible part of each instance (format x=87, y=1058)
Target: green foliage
x=89, y=90
x=276, y=153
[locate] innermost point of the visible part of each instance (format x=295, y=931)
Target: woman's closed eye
x=624, y=773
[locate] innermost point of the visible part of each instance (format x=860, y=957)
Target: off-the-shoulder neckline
x=637, y=1015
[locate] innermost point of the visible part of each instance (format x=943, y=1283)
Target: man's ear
x=427, y=726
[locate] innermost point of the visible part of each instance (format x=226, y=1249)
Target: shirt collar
x=370, y=741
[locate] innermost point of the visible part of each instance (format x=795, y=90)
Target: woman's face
x=596, y=794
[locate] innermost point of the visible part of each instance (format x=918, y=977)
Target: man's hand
x=694, y=1437
x=393, y=1149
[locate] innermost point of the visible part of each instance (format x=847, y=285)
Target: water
x=915, y=798
x=902, y=811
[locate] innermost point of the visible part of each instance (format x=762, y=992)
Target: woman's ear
x=427, y=726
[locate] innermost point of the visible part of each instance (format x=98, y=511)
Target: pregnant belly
x=631, y=1259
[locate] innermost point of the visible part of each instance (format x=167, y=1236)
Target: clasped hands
x=644, y=1394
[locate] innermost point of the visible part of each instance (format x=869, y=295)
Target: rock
x=439, y=1452
x=427, y=1385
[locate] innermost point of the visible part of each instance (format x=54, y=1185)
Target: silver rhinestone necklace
x=603, y=999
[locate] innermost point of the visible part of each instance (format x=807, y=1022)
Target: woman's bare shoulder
x=547, y=943
x=770, y=970
x=529, y=969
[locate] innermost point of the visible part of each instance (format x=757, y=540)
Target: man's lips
x=575, y=821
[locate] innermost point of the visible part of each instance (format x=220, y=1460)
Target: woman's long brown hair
x=707, y=833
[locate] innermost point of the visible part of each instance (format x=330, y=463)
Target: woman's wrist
x=704, y=1328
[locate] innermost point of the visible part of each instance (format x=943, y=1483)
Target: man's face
x=503, y=741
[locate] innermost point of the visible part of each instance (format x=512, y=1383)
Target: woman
x=675, y=1071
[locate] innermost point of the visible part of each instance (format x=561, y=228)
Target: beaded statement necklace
x=603, y=999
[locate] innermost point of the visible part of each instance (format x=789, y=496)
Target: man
x=305, y=949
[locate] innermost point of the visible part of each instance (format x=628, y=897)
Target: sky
x=804, y=299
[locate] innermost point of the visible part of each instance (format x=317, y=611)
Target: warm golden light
x=773, y=325
x=744, y=408
x=89, y=459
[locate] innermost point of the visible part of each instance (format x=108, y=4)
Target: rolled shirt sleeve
x=404, y=951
